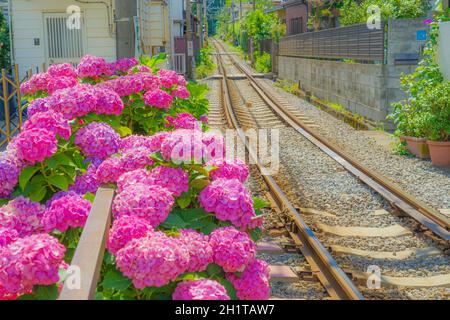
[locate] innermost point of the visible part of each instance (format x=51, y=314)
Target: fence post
x=6, y=105
x=19, y=95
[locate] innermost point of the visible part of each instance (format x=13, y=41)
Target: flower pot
x=440, y=153
x=418, y=147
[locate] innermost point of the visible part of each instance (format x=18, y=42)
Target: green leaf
x=59, y=182
x=259, y=203
x=200, y=184
x=51, y=163
x=229, y=287
x=174, y=220
x=190, y=276
x=26, y=175
x=124, y=131
x=190, y=215
x=208, y=228
x=256, y=234
x=64, y=160
x=115, y=280
x=184, y=200
x=3, y=201
x=89, y=196
x=157, y=156
x=39, y=195
x=46, y=292
x=214, y=270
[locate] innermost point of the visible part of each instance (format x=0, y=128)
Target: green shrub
x=263, y=62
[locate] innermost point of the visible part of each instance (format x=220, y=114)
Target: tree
x=4, y=43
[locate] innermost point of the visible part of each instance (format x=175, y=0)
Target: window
x=296, y=26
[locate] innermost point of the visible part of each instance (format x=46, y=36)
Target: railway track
x=249, y=103
x=337, y=284
x=413, y=207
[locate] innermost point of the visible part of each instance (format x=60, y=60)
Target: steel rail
x=332, y=277
x=415, y=208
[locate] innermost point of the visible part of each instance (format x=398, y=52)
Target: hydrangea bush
x=184, y=224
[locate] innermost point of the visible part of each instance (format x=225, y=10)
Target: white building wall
x=444, y=49
x=28, y=24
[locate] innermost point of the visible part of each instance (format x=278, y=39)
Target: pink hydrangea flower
x=200, y=251
x=37, y=83
x=152, y=261
x=50, y=121
x=97, y=140
x=253, y=283
x=30, y=261
x=87, y=182
x=152, y=143
x=123, y=65
x=126, y=229
x=213, y=146
x=61, y=83
x=183, y=146
x=158, y=99
x=137, y=158
x=7, y=236
x=176, y=180
x=204, y=118
x=35, y=145
x=37, y=106
x=226, y=169
x=109, y=171
x=22, y=215
x=149, y=202
x=229, y=200
x=93, y=67
x=9, y=173
x=183, y=121
x=134, y=177
x=181, y=92
x=108, y=102
x=69, y=211
x=144, y=69
x=203, y=289
x=233, y=249
x=74, y=102
x=168, y=78
x=62, y=70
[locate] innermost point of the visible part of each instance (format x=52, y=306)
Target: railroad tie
x=391, y=231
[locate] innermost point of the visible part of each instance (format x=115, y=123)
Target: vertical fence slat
x=91, y=248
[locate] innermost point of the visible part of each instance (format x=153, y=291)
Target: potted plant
x=436, y=123
x=406, y=117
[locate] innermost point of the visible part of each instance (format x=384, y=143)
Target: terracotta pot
x=418, y=147
x=440, y=153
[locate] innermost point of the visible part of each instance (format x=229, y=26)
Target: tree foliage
x=4, y=43
x=353, y=12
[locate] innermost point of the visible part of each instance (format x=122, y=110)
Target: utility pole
x=240, y=10
x=189, y=41
x=200, y=21
x=232, y=19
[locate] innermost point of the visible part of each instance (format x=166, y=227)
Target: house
x=4, y=8
x=46, y=32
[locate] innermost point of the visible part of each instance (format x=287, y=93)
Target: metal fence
x=11, y=109
x=352, y=42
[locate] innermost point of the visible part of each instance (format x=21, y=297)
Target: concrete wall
x=362, y=88
x=402, y=38
x=444, y=49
